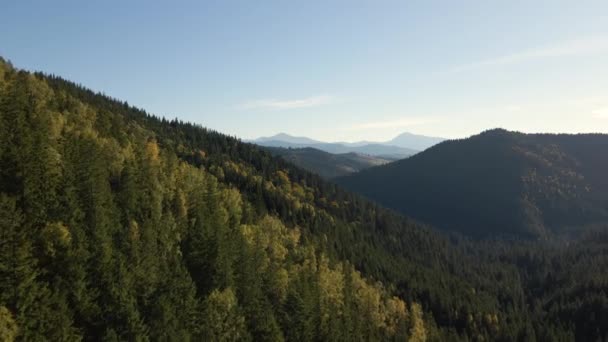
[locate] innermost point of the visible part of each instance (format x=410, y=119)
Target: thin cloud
x=406, y=122
x=513, y=108
x=274, y=104
x=585, y=46
x=593, y=100
x=601, y=113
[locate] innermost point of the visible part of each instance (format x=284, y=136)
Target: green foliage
x=117, y=225
x=110, y=232
x=223, y=320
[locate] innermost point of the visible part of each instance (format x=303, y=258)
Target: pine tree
x=19, y=290
x=38, y=313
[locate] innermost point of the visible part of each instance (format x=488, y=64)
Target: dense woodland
x=119, y=225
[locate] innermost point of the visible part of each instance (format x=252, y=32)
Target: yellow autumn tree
x=417, y=328
x=8, y=326
x=331, y=295
x=395, y=317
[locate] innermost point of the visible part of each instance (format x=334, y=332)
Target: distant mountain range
x=325, y=164
x=400, y=147
x=498, y=183
x=288, y=139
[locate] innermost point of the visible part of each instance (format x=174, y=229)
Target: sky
x=330, y=70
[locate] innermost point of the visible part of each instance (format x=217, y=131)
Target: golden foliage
x=396, y=314
x=134, y=233
x=8, y=326
x=331, y=286
x=153, y=152
x=55, y=236
x=283, y=178
x=417, y=328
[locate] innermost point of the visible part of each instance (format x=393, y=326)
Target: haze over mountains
x=498, y=183
x=400, y=147
x=325, y=164
x=414, y=141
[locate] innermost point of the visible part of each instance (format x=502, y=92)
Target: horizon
x=337, y=141
x=361, y=73
x=253, y=139
x=422, y=135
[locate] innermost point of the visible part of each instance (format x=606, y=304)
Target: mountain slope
x=123, y=226
x=119, y=225
x=498, y=182
x=325, y=164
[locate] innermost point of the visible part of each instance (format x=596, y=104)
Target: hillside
x=120, y=225
x=327, y=165
x=498, y=183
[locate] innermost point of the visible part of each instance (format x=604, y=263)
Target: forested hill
x=118, y=225
x=499, y=183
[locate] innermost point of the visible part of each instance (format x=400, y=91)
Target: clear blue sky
x=331, y=70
